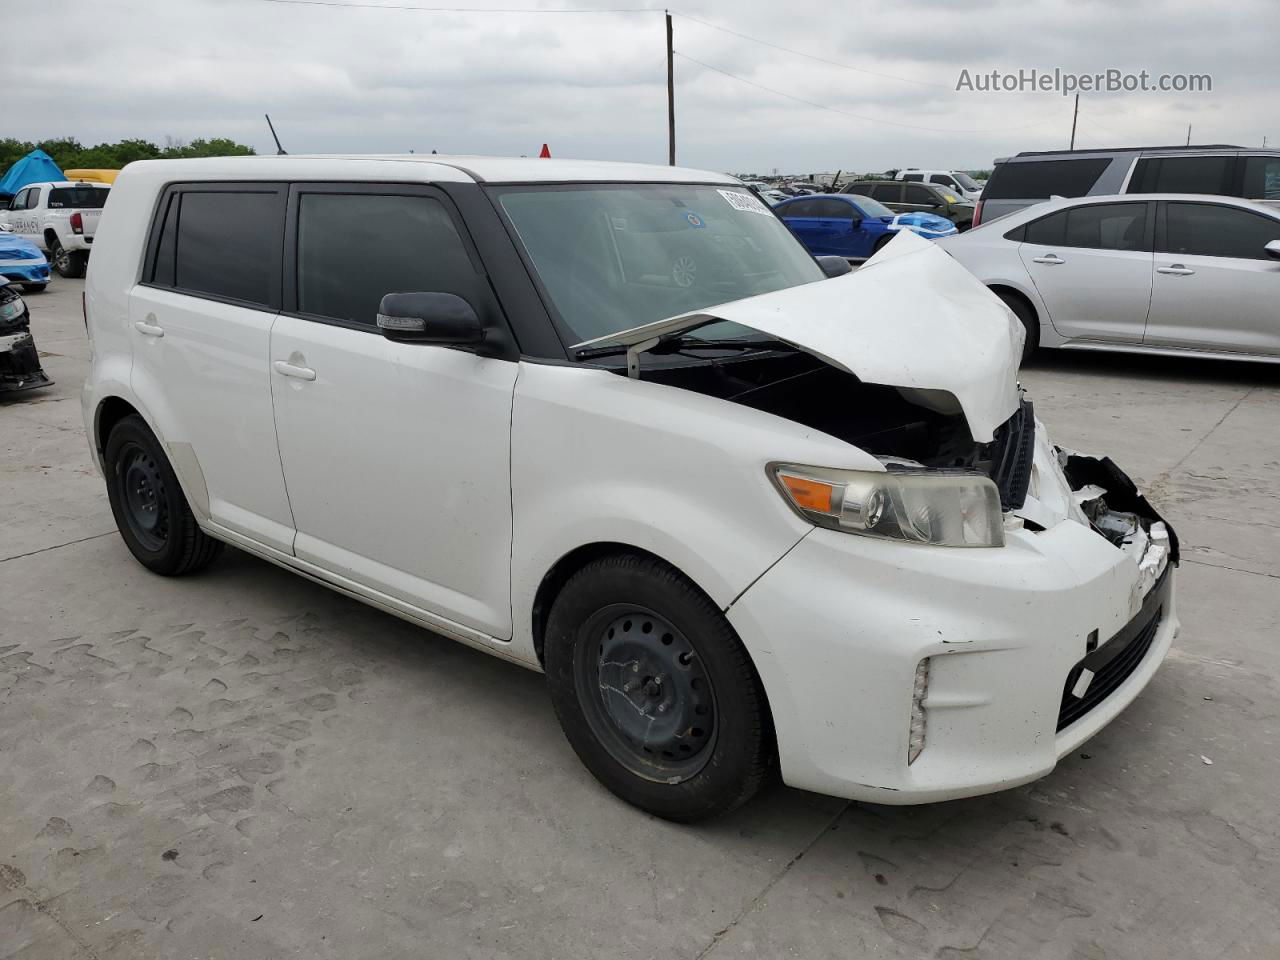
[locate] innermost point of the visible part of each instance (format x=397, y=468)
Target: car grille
x=1114, y=662
x=1011, y=456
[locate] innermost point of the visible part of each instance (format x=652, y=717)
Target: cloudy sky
x=876, y=89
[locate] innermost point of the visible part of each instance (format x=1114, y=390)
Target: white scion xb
x=611, y=421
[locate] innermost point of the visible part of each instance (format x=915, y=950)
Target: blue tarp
x=36, y=167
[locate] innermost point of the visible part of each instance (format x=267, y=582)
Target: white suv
x=613, y=422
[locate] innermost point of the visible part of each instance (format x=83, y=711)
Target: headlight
x=12, y=309
x=944, y=508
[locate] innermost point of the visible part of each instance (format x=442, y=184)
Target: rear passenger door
x=1215, y=286
x=396, y=455
x=201, y=322
x=1091, y=265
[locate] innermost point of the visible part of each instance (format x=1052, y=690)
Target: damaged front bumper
x=20, y=363
x=1030, y=648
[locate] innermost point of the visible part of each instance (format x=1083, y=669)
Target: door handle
x=148, y=327
x=1049, y=258
x=287, y=369
x=1176, y=270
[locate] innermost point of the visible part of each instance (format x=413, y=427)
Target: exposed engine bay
x=903, y=427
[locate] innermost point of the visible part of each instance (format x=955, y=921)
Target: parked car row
x=60, y=219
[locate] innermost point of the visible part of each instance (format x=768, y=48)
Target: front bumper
x=838, y=626
x=26, y=271
x=20, y=364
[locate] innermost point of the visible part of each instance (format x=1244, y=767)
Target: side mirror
x=429, y=318
x=855, y=222
x=834, y=266
x=1273, y=249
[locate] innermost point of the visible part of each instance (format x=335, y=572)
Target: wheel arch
x=111, y=410
x=1021, y=296
x=50, y=237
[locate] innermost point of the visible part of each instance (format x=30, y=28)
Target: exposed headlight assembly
x=12, y=309
x=940, y=507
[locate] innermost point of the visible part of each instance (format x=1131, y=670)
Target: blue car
x=853, y=226
x=22, y=262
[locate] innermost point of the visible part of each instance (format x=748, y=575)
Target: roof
x=437, y=167
x=1177, y=148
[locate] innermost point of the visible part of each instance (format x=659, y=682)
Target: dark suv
x=904, y=197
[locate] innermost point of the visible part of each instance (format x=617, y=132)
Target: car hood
x=911, y=318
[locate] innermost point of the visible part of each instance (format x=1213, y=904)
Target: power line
x=846, y=113
x=813, y=56
x=397, y=6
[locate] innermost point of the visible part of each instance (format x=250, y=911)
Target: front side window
x=227, y=244
x=920, y=195
x=943, y=179
x=79, y=198
x=354, y=248
x=1213, y=230
x=615, y=256
x=967, y=182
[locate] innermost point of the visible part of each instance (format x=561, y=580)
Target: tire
x=150, y=511
x=34, y=287
x=654, y=690
x=68, y=263
x=1024, y=312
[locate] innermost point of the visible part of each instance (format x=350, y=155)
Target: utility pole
x=671, y=97
x=1074, y=115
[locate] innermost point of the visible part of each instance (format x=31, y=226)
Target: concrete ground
x=244, y=764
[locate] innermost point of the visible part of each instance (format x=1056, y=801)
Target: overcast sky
x=592, y=85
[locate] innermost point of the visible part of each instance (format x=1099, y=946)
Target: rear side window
x=1212, y=230
x=913, y=177
x=1182, y=175
x=1103, y=226
x=221, y=243
x=864, y=189
x=80, y=198
x=887, y=192
x=354, y=248
x=1041, y=179
x=831, y=208
x=1262, y=178
x=801, y=208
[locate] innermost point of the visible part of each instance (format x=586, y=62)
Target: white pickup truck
x=60, y=218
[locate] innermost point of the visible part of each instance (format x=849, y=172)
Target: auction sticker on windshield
x=745, y=202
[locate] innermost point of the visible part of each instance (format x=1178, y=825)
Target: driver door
x=396, y=455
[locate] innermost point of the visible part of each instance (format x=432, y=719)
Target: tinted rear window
x=1211, y=230
x=1041, y=179
x=227, y=244
x=80, y=198
x=1182, y=175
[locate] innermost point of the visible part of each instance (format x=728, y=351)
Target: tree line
x=70, y=154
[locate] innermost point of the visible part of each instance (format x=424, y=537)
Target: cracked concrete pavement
x=243, y=764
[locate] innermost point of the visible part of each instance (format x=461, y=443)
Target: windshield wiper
x=683, y=343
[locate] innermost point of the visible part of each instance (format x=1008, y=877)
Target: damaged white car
x=747, y=510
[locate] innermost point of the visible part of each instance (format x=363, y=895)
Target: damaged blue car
x=21, y=261
x=853, y=226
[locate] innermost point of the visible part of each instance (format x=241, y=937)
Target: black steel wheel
x=646, y=692
x=150, y=510
x=654, y=690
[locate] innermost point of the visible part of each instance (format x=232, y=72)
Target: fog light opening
x=917, y=730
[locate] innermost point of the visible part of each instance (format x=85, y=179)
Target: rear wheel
x=654, y=690
x=68, y=263
x=1024, y=312
x=150, y=511
x=34, y=287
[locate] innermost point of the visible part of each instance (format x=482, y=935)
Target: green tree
x=70, y=154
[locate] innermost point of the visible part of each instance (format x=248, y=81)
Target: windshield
x=83, y=198
x=869, y=207
x=966, y=181
x=616, y=256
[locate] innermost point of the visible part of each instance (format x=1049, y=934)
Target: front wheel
x=655, y=691
x=34, y=287
x=150, y=511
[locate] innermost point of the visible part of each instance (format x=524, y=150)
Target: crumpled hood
x=912, y=317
